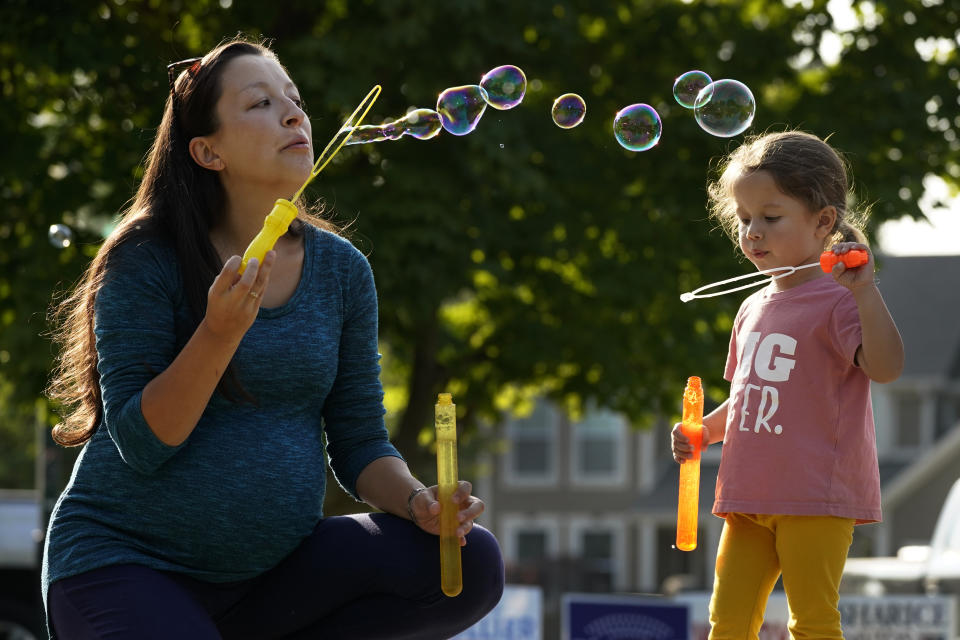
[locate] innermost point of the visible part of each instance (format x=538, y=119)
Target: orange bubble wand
x=688, y=505
x=284, y=211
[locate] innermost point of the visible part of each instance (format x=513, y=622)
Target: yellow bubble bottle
x=451, y=576
x=274, y=226
x=688, y=504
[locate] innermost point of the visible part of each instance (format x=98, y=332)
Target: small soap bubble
x=568, y=110
x=505, y=86
x=637, y=127
x=501, y=145
x=725, y=108
x=60, y=236
x=460, y=108
x=688, y=85
x=422, y=124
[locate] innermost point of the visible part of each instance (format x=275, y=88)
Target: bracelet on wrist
x=413, y=494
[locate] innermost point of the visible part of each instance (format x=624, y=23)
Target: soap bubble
x=374, y=133
x=688, y=85
x=422, y=124
x=505, y=86
x=60, y=236
x=568, y=110
x=725, y=108
x=637, y=127
x=460, y=108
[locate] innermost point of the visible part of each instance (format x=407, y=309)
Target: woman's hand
x=233, y=300
x=682, y=449
x=857, y=277
x=425, y=509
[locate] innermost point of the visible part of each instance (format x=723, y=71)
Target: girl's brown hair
x=803, y=167
x=177, y=201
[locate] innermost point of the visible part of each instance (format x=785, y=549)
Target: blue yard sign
x=517, y=617
x=605, y=617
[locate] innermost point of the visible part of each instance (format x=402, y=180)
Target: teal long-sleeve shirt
x=248, y=484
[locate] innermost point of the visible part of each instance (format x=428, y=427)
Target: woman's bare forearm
x=173, y=402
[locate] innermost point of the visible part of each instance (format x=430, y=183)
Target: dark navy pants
x=357, y=577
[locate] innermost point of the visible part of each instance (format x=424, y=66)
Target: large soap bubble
x=637, y=127
x=725, y=108
x=505, y=86
x=460, y=108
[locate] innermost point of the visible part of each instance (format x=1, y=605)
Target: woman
x=203, y=399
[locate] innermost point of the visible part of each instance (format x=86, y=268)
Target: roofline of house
x=945, y=452
x=932, y=380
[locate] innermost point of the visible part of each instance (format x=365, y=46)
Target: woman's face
x=264, y=137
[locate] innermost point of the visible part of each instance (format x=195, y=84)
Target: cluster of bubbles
x=723, y=108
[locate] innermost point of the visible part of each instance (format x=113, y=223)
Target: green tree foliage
x=521, y=259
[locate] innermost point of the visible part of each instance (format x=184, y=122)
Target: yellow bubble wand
x=451, y=575
x=284, y=211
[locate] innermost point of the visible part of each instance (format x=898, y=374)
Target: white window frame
x=618, y=478
x=551, y=432
x=617, y=528
x=647, y=460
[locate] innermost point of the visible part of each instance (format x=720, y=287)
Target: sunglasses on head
x=173, y=69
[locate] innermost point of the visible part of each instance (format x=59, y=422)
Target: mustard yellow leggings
x=809, y=551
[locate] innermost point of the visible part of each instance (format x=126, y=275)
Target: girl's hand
x=682, y=449
x=857, y=277
x=425, y=509
x=234, y=300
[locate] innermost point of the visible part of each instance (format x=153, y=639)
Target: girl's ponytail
x=846, y=232
x=849, y=227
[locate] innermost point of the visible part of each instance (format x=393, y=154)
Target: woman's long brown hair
x=177, y=201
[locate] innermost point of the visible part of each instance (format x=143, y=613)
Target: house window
x=529, y=541
x=531, y=545
x=909, y=427
x=600, y=552
x=948, y=414
x=679, y=570
x=600, y=448
x=531, y=457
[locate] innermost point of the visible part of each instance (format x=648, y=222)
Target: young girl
x=799, y=464
x=208, y=404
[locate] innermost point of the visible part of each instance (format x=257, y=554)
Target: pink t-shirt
x=800, y=437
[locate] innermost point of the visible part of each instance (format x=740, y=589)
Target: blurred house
x=918, y=415
x=591, y=505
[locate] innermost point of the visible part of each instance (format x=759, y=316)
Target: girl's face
x=777, y=230
x=264, y=138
